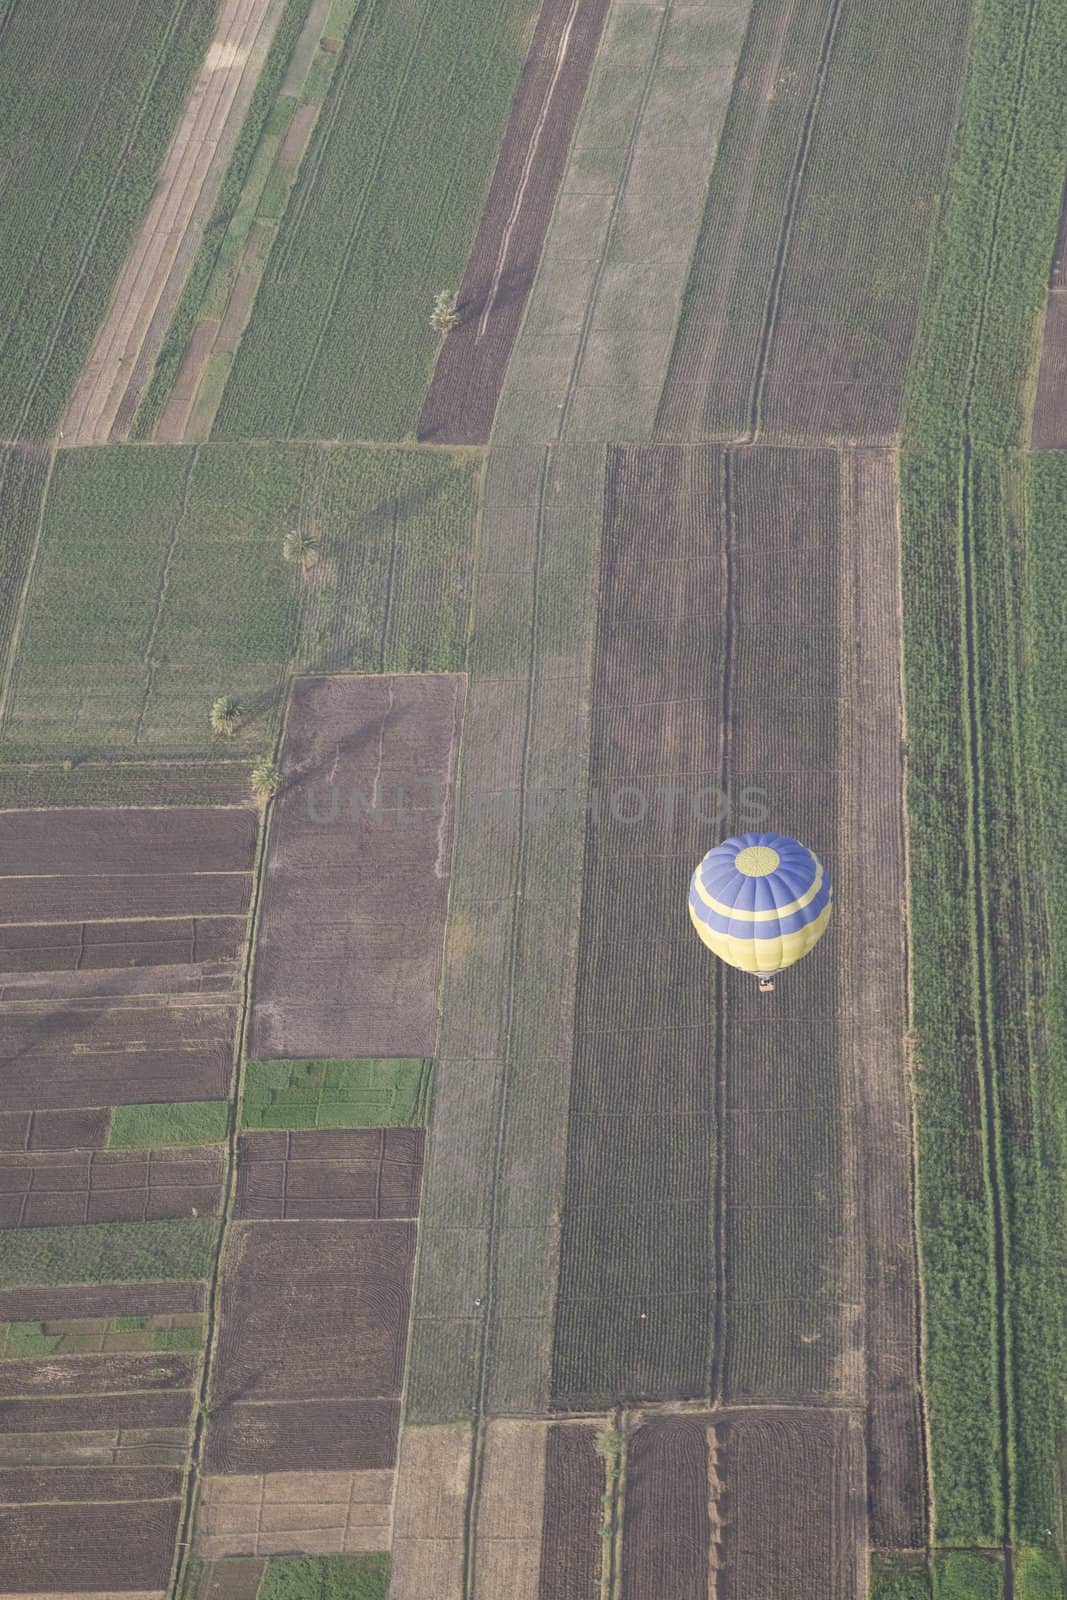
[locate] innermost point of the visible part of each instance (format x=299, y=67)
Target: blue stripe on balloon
x=773, y=929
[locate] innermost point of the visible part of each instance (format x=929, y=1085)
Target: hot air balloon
x=760, y=901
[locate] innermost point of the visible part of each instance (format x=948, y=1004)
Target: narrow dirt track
x=102, y=387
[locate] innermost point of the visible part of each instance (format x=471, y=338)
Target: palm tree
x=265, y=779
x=301, y=550
x=444, y=315
x=225, y=715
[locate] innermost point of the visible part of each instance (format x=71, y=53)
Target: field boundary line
x=27, y=582
x=472, y=1499
x=785, y=238
x=616, y=204
x=161, y=592
x=717, y=1366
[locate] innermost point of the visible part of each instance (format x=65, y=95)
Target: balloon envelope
x=760, y=901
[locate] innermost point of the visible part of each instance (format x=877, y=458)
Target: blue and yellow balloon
x=760, y=901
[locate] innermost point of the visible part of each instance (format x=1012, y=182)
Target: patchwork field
x=356, y=886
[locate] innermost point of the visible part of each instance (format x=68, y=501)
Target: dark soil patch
x=1050, y=404
x=108, y=1186
x=570, y=1543
x=343, y=1172
x=93, y=843
x=54, y=1130
x=62, y=898
x=71, y=1056
x=163, y=1409
x=470, y=370
x=303, y=1436
x=348, y=954
x=93, y=946
x=236, y=1579
x=666, y=1539
x=102, y=1374
x=106, y=1547
x=19, y=1485
x=100, y=1300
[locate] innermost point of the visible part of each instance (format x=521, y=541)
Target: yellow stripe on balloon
x=763, y=955
x=774, y=915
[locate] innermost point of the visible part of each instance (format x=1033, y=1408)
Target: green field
x=325, y=1578
x=381, y=218
x=107, y=1252
x=335, y=1094
x=160, y=584
x=992, y=1104
x=20, y=1341
x=184, y=1122
x=891, y=1581
x=225, y=219
x=89, y=109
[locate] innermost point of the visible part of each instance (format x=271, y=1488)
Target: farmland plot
x=597, y=333
x=774, y=1499
x=92, y=103
x=500, y=1090
x=1049, y=427
x=349, y=946
x=380, y=220
x=492, y=296
x=800, y=309
x=160, y=584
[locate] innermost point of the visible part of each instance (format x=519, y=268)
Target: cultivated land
x=667, y=1321
x=158, y=583
x=90, y=108
x=356, y=886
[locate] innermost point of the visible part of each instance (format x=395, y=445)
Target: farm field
x=208, y=606
x=396, y=1201
x=356, y=885
x=800, y=307
x=75, y=187
x=470, y=368
x=369, y=233
x=190, y=173
x=602, y=311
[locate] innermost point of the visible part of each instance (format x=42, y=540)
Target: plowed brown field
x=333, y=1172
x=108, y=1186
x=349, y=948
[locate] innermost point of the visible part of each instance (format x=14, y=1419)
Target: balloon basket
x=765, y=984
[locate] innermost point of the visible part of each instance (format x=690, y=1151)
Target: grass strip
x=1038, y=1575
x=264, y=97
x=183, y=1122
x=335, y=1094
x=107, y=1252
x=364, y=1577
x=991, y=1113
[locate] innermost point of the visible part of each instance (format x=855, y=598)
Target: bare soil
x=100, y=1300
x=54, y=1130
x=667, y=1530
x=176, y=413
x=19, y=1485
x=97, y=946
x=149, y=1409
x=114, y=1447
x=311, y=1352
x=66, y=1056
x=1049, y=430
x=342, y=1172
x=39, y=1190
x=348, y=955
x=97, y=843
x=230, y=1580
x=571, y=1545
x=102, y=1374
x=108, y=1547
x=470, y=370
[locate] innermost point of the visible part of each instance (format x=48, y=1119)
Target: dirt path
x=186, y=187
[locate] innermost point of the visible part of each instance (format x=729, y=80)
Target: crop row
x=89, y=108
x=991, y=1104
x=380, y=221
